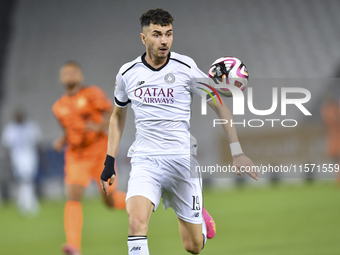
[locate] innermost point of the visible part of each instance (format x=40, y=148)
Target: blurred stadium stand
x=275, y=39
x=6, y=11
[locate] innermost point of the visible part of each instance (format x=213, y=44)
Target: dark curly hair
x=156, y=16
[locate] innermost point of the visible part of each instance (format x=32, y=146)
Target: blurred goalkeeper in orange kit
x=83, y=112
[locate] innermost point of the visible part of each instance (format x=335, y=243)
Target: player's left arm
x=100, y=127
x=240, y=161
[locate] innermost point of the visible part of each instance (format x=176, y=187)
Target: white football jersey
x=22, y=141
x=160, y=99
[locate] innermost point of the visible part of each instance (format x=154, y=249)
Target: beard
x=154, y=53
x=71, y=85
x=162, y=57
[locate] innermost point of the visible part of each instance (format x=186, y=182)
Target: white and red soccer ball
x=229, y=70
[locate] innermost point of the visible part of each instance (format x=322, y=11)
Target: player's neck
x=74, y=90
x=155, y=62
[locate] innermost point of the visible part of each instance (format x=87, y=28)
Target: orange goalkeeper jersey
x=73, y=112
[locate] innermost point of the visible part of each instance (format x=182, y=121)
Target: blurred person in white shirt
x=22, y=137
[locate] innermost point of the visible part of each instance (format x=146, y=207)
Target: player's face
x=19, y=116
x=71, y=75
x=158, y=40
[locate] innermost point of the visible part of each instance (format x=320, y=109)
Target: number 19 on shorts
x=195, y=203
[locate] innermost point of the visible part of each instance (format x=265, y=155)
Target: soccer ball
x=229, y=70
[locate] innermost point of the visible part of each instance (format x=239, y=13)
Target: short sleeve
x=99, y=99
x=121, y=98
x=199, y=83
x=56, y=110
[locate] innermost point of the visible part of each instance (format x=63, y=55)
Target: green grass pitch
x=286, y=220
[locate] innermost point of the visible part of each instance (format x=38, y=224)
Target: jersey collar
x=152, y=68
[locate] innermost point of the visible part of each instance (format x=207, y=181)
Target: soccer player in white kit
x=158, y=85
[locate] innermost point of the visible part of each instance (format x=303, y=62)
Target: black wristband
x=109, y=168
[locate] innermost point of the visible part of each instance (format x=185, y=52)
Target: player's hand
x=108, y=175
x=93, y=126
x=105, y=184
x=244, y=164
x=58, y=144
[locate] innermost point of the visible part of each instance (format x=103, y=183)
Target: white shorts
x=168, y=177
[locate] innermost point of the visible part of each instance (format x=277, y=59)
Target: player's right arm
x=116, y=127
x=59, y=143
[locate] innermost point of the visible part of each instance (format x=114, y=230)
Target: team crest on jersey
x=169, y=78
